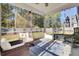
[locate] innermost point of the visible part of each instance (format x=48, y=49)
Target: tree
x=38, y=21
x=76, y=35
x=6, y=13
x=47, y=22
x=56, y=23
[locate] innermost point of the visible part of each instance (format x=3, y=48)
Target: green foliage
x=37, y=35
x=52, y=21
x=56, y=23
x=5, y=14
x=38, y=20
x=76, y=35
x=4, y=23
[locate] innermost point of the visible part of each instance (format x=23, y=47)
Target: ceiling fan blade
x=46, y=4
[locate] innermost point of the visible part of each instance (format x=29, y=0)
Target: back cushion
x=16, y=42
x=5, y=44
x=22, y=35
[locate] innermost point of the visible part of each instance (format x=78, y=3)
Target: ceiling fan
x=46, y=4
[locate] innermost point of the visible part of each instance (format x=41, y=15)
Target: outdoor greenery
x=52, y=21
x=37, y=35
x=11, y=37
x=76, y=35
x=11, y=13
x=7, y=15
x=56, y=23
x=39, y=21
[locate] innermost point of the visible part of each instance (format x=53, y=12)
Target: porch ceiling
x=41, y=9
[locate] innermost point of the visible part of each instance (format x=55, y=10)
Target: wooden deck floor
x=20, y=51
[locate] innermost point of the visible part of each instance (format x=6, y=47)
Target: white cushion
x=5, y=44
x=22, y=35
x=18, y=45
x=25, y=37
x=67, y=50
x=48, y=36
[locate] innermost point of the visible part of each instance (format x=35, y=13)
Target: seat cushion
x=16, y=42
